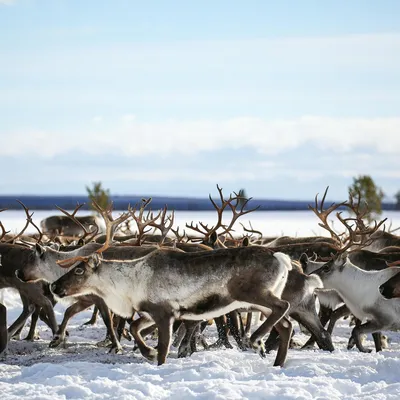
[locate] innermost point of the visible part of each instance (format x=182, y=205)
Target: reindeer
x=34, y=297
x=167, y=285
x=63, y=225
x=359, y=289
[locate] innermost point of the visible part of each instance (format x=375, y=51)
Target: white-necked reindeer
x=359, y=289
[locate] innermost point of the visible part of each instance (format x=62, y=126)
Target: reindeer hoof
x=16, y=336
x=116, y=350
x=57, y=340
x=104, y=343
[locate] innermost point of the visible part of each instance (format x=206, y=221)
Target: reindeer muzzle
x=58, y=291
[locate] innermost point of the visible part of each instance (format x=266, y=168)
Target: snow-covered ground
x=82, y=370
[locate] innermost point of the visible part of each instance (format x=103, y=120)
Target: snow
x=82, y=370
x=270, y=223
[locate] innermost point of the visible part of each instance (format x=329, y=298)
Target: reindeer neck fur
x=358, y=288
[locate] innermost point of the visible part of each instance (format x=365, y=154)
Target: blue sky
x=171, y=97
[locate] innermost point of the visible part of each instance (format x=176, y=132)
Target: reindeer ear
x=94, y=261
x=245, y=242
x=39, y=249
x=81, y=242
x=213, y=237
x=303, y=260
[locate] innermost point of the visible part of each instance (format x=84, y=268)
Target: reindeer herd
x=144, y=277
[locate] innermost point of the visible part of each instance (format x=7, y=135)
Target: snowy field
x=82, y=370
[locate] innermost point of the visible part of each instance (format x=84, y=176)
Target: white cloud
x=128, y=118
x=7, y=2
x=190, y=137
x=97, y=119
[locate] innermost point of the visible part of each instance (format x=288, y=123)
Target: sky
x=173, y=97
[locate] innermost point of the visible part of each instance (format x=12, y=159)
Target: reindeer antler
x=28, y=221
x=179, y=238
x=143, y=221
x=323, y=214
x=87, y=232
x=165, y=223
x=232, y=203
x=111, y=226
x=251, y=230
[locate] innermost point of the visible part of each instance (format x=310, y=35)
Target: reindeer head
x=330, y=269
x=34, y=269
x=76, y=282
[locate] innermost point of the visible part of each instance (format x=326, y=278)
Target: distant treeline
x=174, y=203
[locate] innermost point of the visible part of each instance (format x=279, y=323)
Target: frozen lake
x=270, y=223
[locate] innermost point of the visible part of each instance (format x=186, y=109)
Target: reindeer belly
x=210, y=307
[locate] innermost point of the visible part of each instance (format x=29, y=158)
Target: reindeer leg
x=185, y=348
x=122, y=331
x=358, y=330
x=284, y=328
x=32, y=328
x=272, y=341
x=3, y=328
x=310, y=320
x=222, y=335
x=233, y=324
x=76, y=308
x=180, y=334
x=377, y=336
x=324, y=316
x=336, y=315
x=264, y=300
x=19, y=323
x=48, y=309
x=164, y=326
x=93, y=319
x=108, y=321
x=248, y=323
x=136, y=327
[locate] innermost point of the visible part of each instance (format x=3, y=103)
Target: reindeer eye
x=79, y=271
x=326, y=268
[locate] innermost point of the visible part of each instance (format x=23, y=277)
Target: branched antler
x=165, y=223
x=111, y=226
x=3, y=231
x=111, y=223
x=28, y=221
x=87, y=234
x=143, y=221
x=179, y=238
x=233, y=202
x=323, y=214
x=252, y=230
